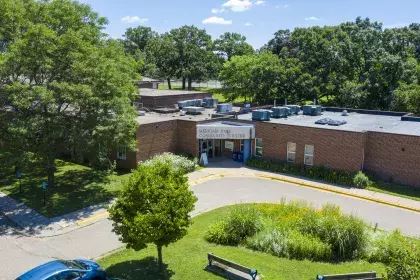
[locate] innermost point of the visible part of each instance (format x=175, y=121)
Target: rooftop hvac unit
x=288, y=111
x=194, y=110
x=279, y=112
x=312, y=110
x=183, y=104
x=224, y=108
x=261, y=115
x=294, y=109
x=198, y=102
x=210, y=102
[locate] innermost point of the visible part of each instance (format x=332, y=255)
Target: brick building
x=152, y=98
x=377, y=142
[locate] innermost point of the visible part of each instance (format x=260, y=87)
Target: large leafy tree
x=237, y=77
x=154, y=207
x=231, y=44
x=161, y=53
x=135, y=39
x=64, y=85
x=196, y=60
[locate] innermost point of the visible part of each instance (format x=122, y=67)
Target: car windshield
x=74, y=265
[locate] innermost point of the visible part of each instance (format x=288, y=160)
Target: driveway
x=20, y=253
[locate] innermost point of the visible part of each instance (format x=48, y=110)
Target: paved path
x=92, y=241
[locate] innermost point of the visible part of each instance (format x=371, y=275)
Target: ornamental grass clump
x=291, y=244
x=243, y=221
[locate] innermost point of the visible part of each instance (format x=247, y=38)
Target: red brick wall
x=156, y=138
x=394, y=156
x=341, y=150
x=186, y=137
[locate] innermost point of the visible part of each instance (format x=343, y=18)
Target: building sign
x=225, y=131
x=229, y=145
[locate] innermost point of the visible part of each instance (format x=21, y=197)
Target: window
x=258, y=147
x=66, y=275
x=291, y=152
x=309, y=155
x=121, y=153
x=242, y=146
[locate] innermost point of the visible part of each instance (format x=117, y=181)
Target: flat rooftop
x=153, y=117
x=166, y=92
x=356, y=122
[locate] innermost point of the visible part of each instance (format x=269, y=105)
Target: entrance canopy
x=225, y=130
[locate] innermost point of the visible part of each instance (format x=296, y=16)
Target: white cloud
x=259, y=2
x=249, y=24
x=218, y=11
x=312, y=18
x=286, y=6
x=216, y=20
x=281, y=6
x=133, y=19
x=238, y=5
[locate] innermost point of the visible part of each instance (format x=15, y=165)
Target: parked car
x=66, y=270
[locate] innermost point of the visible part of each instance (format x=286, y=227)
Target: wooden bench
x=251, y=272
x=351, y=276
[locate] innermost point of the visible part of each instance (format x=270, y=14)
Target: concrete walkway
x=36, y=225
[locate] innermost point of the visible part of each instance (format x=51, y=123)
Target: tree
x=196, y=60
x=135, y=39
x=232, y=44
x=153, y=207
x=407, y=99
x=64, y=85
x=236, y=76
x=280, y=43
x=161, y=52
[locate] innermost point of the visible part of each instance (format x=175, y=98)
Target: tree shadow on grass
x=145, y=269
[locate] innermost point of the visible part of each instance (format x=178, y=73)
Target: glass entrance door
x=210, y=147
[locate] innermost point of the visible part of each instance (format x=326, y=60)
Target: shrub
x=176, y=161
x=290, y=244
x=347, y=235
x=242, y=222
x=386, y=247
x=360, y=180
x=314, y=172
x=405, y=265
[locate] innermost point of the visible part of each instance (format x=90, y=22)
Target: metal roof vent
x=345, y=114
x=328, y=121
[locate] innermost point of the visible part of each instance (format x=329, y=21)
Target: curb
x=304, y=184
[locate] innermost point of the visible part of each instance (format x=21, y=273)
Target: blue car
x=66, y=270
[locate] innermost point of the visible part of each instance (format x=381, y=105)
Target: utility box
x=224, y=108
x=279, y=112
x=312, y=110
x=261, y=115
x=294, y=109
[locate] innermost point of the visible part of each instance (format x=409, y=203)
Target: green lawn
x=397, y=190
x=187, y=259
x=77, y=186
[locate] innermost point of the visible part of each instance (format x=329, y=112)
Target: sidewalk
x=234, y=169
x=36, y=225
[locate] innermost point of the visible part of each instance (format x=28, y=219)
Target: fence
x=209, y=84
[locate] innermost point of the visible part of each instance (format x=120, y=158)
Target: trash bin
x=235, y=156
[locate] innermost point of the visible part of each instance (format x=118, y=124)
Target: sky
x=258, y=20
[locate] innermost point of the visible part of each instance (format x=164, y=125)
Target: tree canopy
x=154, y=207
x=232, y=44
x=65, y=87
x=355, y=64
